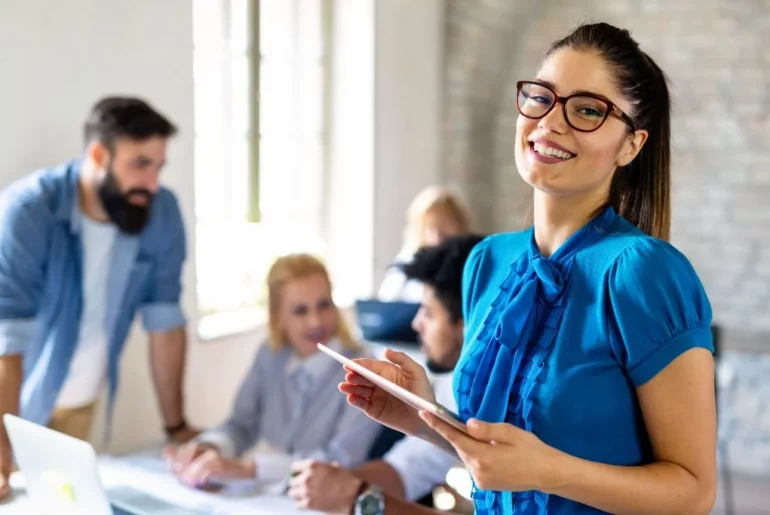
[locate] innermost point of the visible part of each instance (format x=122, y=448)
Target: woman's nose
x=554, y=121
x=313, y=319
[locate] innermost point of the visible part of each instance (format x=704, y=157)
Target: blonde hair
x=290, y=268
x=429, y=200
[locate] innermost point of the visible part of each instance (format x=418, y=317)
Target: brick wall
x=717, y=55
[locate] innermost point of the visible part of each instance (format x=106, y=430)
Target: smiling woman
x=587, y=376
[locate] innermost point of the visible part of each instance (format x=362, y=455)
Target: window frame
x=228, y=322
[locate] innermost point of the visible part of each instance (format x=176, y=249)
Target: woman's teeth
x=551, y=152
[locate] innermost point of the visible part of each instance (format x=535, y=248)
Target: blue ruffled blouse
x=557, y=346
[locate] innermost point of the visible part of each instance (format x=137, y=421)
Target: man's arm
x=10, y=389
x=394, y=506
x=381, y=473
x=168, y=350
x=164, y=320
x=330, y=488
x=24, y=237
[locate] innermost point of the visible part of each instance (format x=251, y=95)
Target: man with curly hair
x=413, y=467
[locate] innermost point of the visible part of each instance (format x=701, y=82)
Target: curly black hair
x=441, y=267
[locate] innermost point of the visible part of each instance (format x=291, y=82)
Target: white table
x=147, y=472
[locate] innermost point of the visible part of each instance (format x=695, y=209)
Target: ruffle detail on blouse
x=496, y=377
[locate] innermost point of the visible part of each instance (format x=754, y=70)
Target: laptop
x=62, y=476
x=382, y=321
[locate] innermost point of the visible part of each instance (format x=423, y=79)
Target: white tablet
x=400, y=393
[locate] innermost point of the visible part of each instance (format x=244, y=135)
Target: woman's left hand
x=211, y=465
x=500, y=457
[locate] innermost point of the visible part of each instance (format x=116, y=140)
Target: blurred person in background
x=288, y=405
x=83, y=248
x=434, y=215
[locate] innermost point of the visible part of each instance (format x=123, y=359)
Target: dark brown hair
x=112, y=118
x=441, y=267
x=641, y=190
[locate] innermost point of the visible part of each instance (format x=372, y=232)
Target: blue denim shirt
x=41, y=294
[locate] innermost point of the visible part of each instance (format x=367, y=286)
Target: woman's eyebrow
x=574, y=92
x=546, y=83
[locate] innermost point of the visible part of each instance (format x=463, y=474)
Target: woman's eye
x=590, y=111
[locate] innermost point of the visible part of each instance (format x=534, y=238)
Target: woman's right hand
x=179, y=457
x=379, y=404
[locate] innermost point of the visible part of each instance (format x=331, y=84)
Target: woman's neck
x=558, y=218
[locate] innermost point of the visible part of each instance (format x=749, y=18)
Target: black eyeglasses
x=584, y=112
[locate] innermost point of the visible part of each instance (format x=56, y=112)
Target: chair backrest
x=716, y=333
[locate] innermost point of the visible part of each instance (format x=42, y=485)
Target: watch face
x=371, y=504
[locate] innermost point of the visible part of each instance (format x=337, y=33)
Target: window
x=260, y=70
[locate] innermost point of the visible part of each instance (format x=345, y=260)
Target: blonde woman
x=434, y=215
x=288, y=402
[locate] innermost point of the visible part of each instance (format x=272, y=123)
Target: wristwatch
x=172, y=430
x=371, y=501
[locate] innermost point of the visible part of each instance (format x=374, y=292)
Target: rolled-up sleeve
x=23, y=249
x=420, y=464
x=14, y=334
x=160, y=317
x=161, y=311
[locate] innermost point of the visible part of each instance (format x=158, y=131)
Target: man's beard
x=437, y=368
x=129, y=217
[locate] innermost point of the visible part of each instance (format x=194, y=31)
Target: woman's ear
x=632, y=145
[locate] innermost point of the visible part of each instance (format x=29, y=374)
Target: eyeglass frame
x=611, y=107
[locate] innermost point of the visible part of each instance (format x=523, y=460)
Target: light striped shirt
x=292, y=408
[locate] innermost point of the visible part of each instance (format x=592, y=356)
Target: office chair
x=722, y=445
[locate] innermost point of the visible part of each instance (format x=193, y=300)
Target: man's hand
x=325, y=487
x=179, y=457
x=5, y=472
x=212, y=466
x=6, y=461
x=197, y=464
x=10, y=389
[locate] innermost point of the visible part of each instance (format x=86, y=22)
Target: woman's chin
x=312, y=343
x=545, y=182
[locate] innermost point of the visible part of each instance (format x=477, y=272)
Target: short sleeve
x=420, y=464
x=656, y=308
